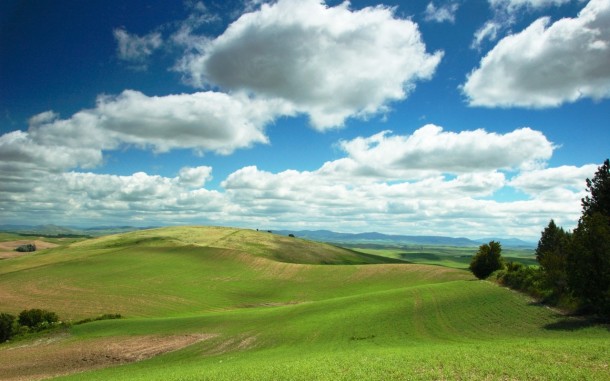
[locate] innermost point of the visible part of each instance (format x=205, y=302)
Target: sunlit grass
x=289, y=321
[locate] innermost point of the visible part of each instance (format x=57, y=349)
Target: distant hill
x=314, y=235
x=509, y=242
x=379, y=238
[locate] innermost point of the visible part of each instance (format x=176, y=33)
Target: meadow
x=206, y=303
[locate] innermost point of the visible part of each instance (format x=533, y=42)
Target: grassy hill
x=219, y=303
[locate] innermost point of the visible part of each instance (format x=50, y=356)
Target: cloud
x=489, y=31
x=432, y=150
x=295, y=199
x=185, y=35
x=203, y=121
x=441, y=14
x=547, y=64
x=515, y=5
x=135, y=49
x=410, y=184
x=550, y=179
x=331, y=63
x=84, y=197
x=505, y=15
x=373, y=188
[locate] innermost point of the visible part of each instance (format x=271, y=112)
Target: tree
x=37, y=318
x=551, y=253
x=599, y=188
x=588, y=258
x=487, y=260
x=6, y=326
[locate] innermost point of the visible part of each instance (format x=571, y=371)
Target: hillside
x=225, y=304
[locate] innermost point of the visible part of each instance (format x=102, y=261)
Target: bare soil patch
x=7, y=249
x=59, y=354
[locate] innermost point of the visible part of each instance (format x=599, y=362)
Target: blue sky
x=459, y=118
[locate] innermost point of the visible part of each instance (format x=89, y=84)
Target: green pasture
x=287, y=309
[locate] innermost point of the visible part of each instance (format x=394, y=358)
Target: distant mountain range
x=385, y=239
x=55, y=231
x=314, y=235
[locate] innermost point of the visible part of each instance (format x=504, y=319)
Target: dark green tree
x=487, y=260
x=6, y=326
x=588, y=261
x=599, y=188
x=36, y=318
x=552, y=253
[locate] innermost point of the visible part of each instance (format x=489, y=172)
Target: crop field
x=205, y=303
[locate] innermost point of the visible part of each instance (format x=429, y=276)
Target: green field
x=450, y=256
x=269, y=307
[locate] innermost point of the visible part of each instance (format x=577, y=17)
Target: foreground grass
x=455, y=330
x=486, y=361
x=266, y=318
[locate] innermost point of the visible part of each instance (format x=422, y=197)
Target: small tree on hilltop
x=487, y=260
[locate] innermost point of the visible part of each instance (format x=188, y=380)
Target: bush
x=523, y=278
x=37, y=319
x=101, y=317
x=6, y=326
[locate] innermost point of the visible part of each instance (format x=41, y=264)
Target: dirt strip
x=62, y=355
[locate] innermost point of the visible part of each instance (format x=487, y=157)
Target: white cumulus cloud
x=386, y=182
x=411, y=183
x=430, y=149
x=547, y=64
x=203, y=121
x=549, y=179
x=329, y=62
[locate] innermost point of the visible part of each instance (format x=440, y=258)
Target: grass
x=277, y=312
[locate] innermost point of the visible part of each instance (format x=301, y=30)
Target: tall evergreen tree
x=599, y=188
x=589, y=254
x=551, y=253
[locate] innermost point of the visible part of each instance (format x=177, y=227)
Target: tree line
x=574, y=269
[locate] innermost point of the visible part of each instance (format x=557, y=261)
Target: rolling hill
x=209, y=303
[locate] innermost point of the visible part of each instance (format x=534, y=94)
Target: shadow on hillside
x=576, y=323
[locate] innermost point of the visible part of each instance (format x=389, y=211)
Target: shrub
x=6, y=326
x=523, y=278
x=37, y=319
x=101, y=317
